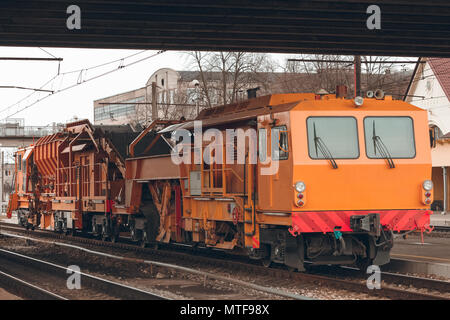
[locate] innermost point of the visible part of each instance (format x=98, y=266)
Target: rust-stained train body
x=315, y=178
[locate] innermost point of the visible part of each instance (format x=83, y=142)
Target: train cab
x=321, y=179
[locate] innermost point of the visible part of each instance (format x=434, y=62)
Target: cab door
x=273, y=170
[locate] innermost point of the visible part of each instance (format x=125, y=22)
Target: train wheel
x=266, y=262
x=105, y=237
x=292, y=269
x=144, y=240
x=363, y=263
x=114, y=238
x=115, y=232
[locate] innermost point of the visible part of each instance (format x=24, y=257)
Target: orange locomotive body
x=285, y=178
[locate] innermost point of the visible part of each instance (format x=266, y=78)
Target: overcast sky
x=77, y=101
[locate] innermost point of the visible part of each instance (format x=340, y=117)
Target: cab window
x=335, y=137
x=262, y=144
x=389, y=136
x=280, y=147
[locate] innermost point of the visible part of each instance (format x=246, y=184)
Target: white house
x=430, y=89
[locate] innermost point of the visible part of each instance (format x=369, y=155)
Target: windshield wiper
x=381, y=147
x=320, y=145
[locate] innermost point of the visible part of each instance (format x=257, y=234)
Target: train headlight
x=427, y=185
x=358, y=101
x=300, y=186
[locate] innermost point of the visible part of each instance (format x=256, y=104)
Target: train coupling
x=366, y=223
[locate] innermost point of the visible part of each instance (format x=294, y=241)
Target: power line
x=29, y=59
x=426, y=98
x=24, y=88
x=47, y=52
x=105, y=64
x=23, y=99
x=80, y=81
x=352, y=62
x=70, y=72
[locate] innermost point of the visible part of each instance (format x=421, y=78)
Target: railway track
x=350, y=281
x=25, y=289
x=441, y=230
x=202, y=275
x=389, y=277
x=32, y=278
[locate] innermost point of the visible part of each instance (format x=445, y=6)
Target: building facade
x=171, y=94
x=175, y=98
x=429, y=89
x=6, y=183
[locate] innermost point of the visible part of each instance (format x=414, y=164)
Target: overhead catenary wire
x=47, y=52
x=70, y=72
x=79, y=81
x=24, y=88
x=29, y=59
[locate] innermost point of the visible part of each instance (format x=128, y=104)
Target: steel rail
x=112, y=288
x=205, y=275
x=403, y=279
x=25, y=289
x=388, y=291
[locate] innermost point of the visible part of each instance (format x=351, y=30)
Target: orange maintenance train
x=285, y=178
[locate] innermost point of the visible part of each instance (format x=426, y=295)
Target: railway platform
x=410, y=255
x=13, y=220
x=440, y=220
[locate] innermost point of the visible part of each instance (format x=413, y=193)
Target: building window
x=114, y=111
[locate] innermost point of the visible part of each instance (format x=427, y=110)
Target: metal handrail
x=27, y=131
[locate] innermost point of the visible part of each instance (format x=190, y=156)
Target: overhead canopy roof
x=408, y=28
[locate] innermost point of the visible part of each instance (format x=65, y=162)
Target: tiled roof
x=441, y=69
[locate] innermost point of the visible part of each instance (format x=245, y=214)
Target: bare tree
x=224, y=76
x=326, y=73
x=180, y=105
